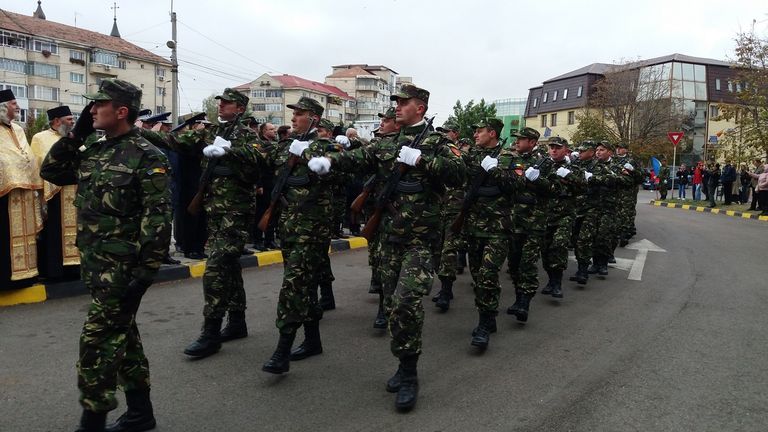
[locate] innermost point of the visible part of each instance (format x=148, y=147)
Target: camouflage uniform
x=451, y=243
x=607, y=177
x=663, y=176
x=123, y=232
x=587, y=216
x=626, y=208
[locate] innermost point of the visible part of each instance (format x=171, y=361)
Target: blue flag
x=656, y=165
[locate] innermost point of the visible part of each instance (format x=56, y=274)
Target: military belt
x=522, y=199
x=296, y=181
x=408, y=187
x=222, y=171
x=488, y=191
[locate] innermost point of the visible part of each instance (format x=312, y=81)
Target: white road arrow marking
x=642, y=247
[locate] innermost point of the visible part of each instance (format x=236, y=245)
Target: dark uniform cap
x=408, y=91
x=119, y=91
x=232, y=95
x=490, y=122
x=162, y=117
x=389, y=114
x=326, y=124
x=308, y=104
x=557, y=141
x=448, y=126
x=60, y=111
x=527, y=133
x=606, y=144
x=6, y=95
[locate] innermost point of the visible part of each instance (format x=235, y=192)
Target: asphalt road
x=683, y=349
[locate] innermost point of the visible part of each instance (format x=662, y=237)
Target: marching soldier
x=337, y=184
x=587, y=212
x=627, y=207
x=124, y=229
x=410, y=226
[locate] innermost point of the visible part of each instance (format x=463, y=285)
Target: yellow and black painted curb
x=713, y=210
x=41, y=292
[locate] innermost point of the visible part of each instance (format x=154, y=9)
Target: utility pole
x=174, y=70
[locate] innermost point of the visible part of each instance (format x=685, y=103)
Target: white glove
x=320, y=165
x=488, y=163
x=567, y=159
x=587, y=175
x=297, y=147
x=574, y=155
x=214, y=151
x=221, y=142
x=341, y=139
x=532, y=174
x=408, y=155
x=628, y=166
x=562, y=172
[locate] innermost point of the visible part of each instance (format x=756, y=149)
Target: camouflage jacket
x=231, y=188
x=530, y=200
x=603, y=185
x=582, y=201
x=573, y=185
x=491, y=214
x=123, y=197
x=637, y=174
x=414, y=212
x=306, y=207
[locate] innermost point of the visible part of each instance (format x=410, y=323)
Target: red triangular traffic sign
x=675, y=137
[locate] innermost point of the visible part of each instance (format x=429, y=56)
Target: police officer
x=124, y=228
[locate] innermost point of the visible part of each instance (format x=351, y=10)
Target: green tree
x=35, y=125
x=467, y=115
x=211, y=108
x=591, y=127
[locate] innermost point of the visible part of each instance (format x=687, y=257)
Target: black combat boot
x=516, y=305
x=393, y=384
x=611, y=259
x=381, y=320
x=327, y=302
x=521, y=306
x=235, y=328
x=461, y=262
x=280, y=362
x=593, y=268
x=548, y=288
x=375, y=287
x=556, y=281
x=92, y=421
x=208, y=343
x=481, y=335
x=311, y=345
x=491, y=325
x=602, y=266
x=139, y=416
x=582, y=275
x=409, y=384
x=445, y=295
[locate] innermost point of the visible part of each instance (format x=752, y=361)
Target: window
x=535, y=102
x=77, y=100
x=259, y=107
x=76, y=55
x=121, y=64
x=160, y=109
x=13, y=40
x=10, y=65
x=104, y=58
x=40, y=46
x=273, y=107
x=258, y=93
x=714, y=111
x=44, y=70
x=274, y=93
x=565, y=94
x=18, y=91
x=277, y=121
x=161, y=91
x=77, y=77
x=730, y=86
x=544, y=120
x=554, y=96
x=553, y=119
x=571, y=117
x=545, y=98
x=717, y=84
x=44, y=93
x=579, y=91
x=160, y=72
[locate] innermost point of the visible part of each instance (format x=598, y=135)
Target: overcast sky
x=455, y=49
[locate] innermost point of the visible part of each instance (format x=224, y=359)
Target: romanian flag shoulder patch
x=158, y=170
x=455, y=151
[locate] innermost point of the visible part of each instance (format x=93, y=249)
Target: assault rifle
x=196, y=204
x=359, y=202
x=472, y=194
x=282, y=180
x=372, y=225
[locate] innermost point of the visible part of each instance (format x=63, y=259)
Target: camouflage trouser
x=605, y=234
x=374, y=257
x=110, y=345
x=451, y=245
x=223, y=277
x=584, y=229
x=486, y=255
x=297, y=302
x=554, y=250
x=406, y=272
x=326, y=273
x=339, y=203
x=524, y=251
x=625, y=214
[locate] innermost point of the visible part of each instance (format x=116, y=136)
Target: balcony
x=103, y=69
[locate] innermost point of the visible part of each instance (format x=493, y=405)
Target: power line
x=216, y=72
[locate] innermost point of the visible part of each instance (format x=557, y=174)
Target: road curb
x=715, y=210
x=42, y=292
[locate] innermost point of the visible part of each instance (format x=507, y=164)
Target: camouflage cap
x=587, y=145
x=448, y=127
x=527, y=132
x=606, y=144
x=119, y=91
x=465, y=141
x=557, y=141
x=408, y=91
x=388, y=114
x=232, y=95
x=308, y=104
x=490, y=122
x=326, y=124
x=622, y=144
